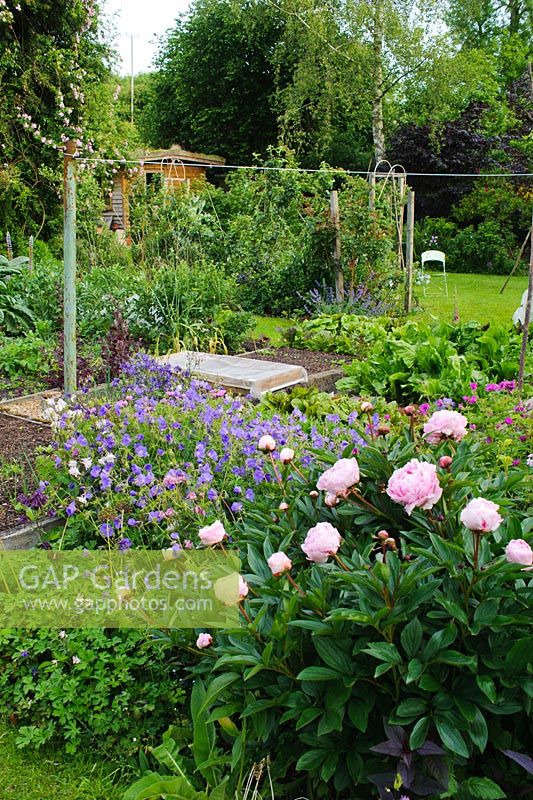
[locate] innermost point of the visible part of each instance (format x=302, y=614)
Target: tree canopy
x=332, y=81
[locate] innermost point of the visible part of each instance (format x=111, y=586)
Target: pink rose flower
x=212, y=534
x=321, y=542
x=243, y=588
x=266, y=443
x=481, y=515
x=445, y=425
x=204, y=640
x=286, y=455
x=279, y=563
x=415, y=485
x=338, y=479
x=519, y=552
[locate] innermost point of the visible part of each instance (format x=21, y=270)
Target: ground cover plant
x=107, y=689
x=394, y=643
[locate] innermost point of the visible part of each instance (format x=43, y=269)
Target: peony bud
x=481, y=515
x=267, y=443
x=445, y=462
x=283, y=506
x=410, y=411
x=366, y=407
x=279, y=563
x=204, y=640
x=383, y=535
x=212, y=534
x=286, y=455
x=321, y=542
x=519, y=552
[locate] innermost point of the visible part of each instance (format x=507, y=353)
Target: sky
x=146, y=20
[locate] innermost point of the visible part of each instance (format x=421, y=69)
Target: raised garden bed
x=21, y=434
x=19, y=439
x=314, y=362
x=323, y=369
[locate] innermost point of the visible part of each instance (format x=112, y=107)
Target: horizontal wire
x=339, y=170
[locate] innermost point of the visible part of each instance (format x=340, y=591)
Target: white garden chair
x=435, y=256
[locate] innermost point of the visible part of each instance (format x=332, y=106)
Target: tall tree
x=478, y=23
x=215, y=82
x=322, y=85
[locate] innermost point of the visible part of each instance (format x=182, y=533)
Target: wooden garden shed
x=175, y=167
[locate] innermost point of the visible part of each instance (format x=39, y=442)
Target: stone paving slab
x=246, y=375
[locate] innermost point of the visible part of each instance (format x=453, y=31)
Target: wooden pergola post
x=69, y=267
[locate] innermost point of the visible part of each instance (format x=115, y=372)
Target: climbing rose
x=279, y=563
x=321, y=542
x=415, y=485
x=266, y=443
x=519, y=552
x=338, y=479
x=481, y=515
x=445, y=425
x=212, y=534
x=204, y=640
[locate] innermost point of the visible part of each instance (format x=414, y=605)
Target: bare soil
x=19, y=440
x=313, y=362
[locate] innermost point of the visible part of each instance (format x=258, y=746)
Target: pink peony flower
x=212, y=534
x=338, y=479
x=286, y=455
x=481, y=515
x=415, y=485
x=321, y=542
x=243, y=588
x=204, y=640
x=279, y=563
x=519, y=552
x=266, y=443
x=445, y=425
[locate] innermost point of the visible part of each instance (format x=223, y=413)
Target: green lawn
x=49, y=774
x=477, y=297
x=270, y=326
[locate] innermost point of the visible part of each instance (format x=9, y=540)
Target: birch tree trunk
x=378, y=134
